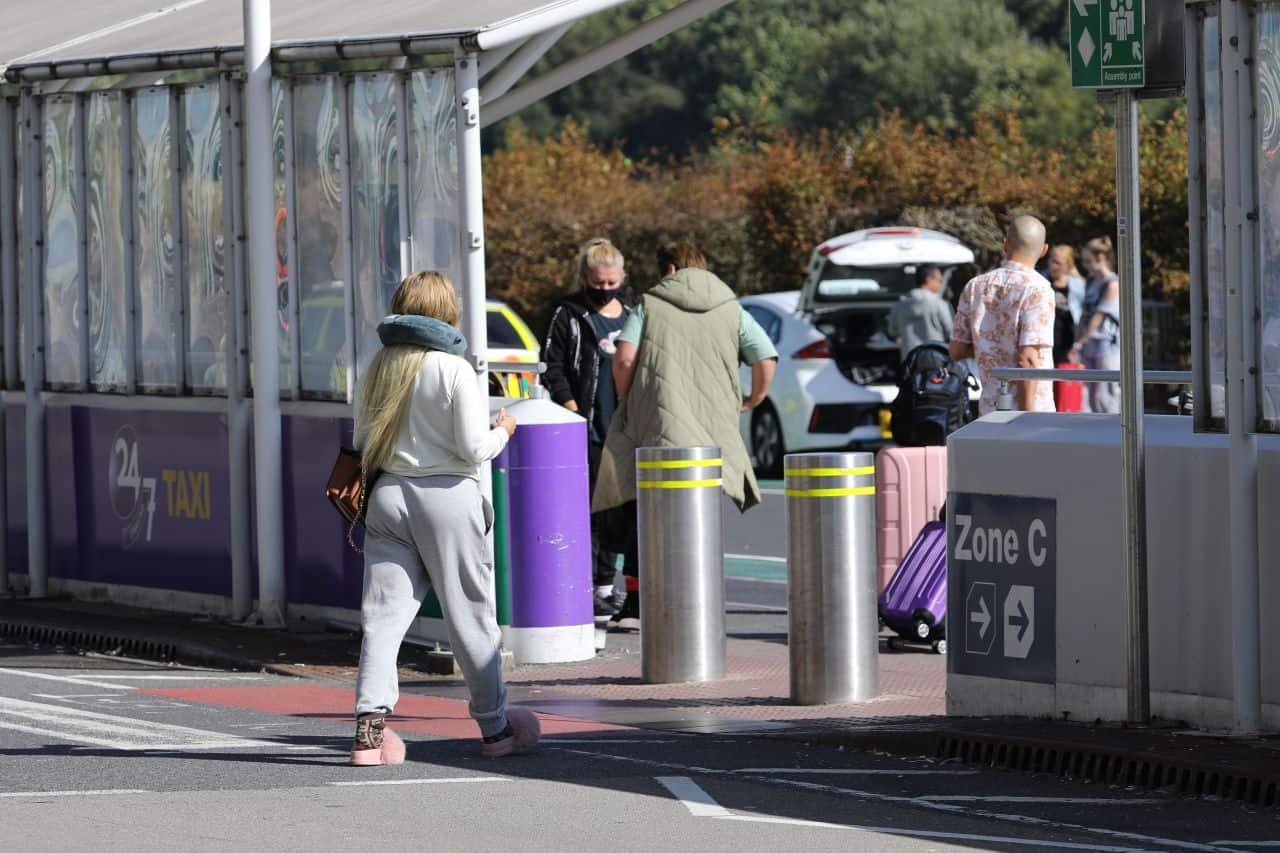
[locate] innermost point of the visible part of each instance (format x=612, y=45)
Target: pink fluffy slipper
x=525, y=731
x=364, y=754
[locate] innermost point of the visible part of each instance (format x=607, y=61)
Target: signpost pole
x=1129, y=268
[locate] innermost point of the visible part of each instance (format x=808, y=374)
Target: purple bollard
x=549, y=518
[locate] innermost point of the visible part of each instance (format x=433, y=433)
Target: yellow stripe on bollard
x=831, y=472
x=678, y=484
x=676, y=464
x=830, y=493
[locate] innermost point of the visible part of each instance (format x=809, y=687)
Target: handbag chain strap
x=360, y=508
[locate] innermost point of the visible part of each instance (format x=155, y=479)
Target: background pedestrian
x=1005, y=319
x=578, y=352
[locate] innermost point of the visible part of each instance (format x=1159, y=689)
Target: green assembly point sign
x=1106, y=43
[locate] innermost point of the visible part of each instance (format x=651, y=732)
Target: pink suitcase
x=911, y=487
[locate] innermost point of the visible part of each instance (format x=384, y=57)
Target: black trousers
x=613, y=532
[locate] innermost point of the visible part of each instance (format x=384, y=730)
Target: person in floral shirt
x=1005, y=319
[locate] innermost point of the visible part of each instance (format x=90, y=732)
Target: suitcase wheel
x=940, y=646
x=922, y=629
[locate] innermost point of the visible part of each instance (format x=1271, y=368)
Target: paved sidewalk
x=907, y=718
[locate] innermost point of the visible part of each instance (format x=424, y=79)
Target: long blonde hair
x=389, y=379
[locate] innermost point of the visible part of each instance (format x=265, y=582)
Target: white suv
x=837, y=366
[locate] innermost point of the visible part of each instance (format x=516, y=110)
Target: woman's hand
x=506, y=422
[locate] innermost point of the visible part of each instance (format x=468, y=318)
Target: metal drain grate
x=89, y=640
x=1112, y=768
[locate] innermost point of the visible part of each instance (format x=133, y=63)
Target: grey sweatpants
x=1104, y=397
x=421, y=533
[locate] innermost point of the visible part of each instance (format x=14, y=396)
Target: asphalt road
x=99, y=754
x=755, y=545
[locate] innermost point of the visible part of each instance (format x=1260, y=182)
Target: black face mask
x=598, y=297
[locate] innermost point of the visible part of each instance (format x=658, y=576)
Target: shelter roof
x=54, y=32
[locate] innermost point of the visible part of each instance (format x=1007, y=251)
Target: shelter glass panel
x=433, y=173
x=318, y=179
x=279, y=151
x=1268, y=121
x=105, y=222
x=375, y=204
x=204, y=240
x=64, y=352
x=156, y=246
x=1214, y=263
x=20, y=149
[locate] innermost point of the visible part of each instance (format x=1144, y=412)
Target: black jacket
x=571, y=352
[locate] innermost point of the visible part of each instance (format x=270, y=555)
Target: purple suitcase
x=914, y=604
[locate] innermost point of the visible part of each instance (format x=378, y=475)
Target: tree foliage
x=810, y=64
x=757, y=202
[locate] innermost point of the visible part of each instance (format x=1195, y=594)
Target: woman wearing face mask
x=579, y=353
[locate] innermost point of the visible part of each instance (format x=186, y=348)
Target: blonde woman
x=423, y=423
x=1098, y=333
x=578, y=352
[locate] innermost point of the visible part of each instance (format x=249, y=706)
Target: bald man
x=1005, y=319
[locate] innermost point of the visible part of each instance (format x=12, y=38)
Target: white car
x=837, y=366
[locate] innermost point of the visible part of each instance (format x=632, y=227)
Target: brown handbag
x=347, y=490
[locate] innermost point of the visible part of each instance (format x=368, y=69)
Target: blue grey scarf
x=417, y=330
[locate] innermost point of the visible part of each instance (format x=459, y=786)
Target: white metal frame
x=33, y=233
x=238, y=408
x=592, y=61
x=260, y=222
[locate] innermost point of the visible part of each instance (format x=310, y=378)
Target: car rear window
x=839, y=283
x=502, y=335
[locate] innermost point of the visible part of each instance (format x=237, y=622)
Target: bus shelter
x=178, y=370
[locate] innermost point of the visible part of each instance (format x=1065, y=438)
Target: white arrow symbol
x=1082, y=6
x=982, y=617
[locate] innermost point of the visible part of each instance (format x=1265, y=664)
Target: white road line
x=774, y=492
x=449, y=781
x=1247, y=843
x=873, y=796
x=696, y=800
x=779, y=609
x=114, y=732
x=603, y=741
x=1081, y=801
x=854, y=771
x=97, y=793
x=83, y=682
x=926, y=833
x=758, y=558
x=182, y=677
x=754, y=580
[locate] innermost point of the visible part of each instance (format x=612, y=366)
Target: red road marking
x=428, y=715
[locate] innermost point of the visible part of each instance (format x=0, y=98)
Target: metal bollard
x=681, y=564
x=831, y=577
